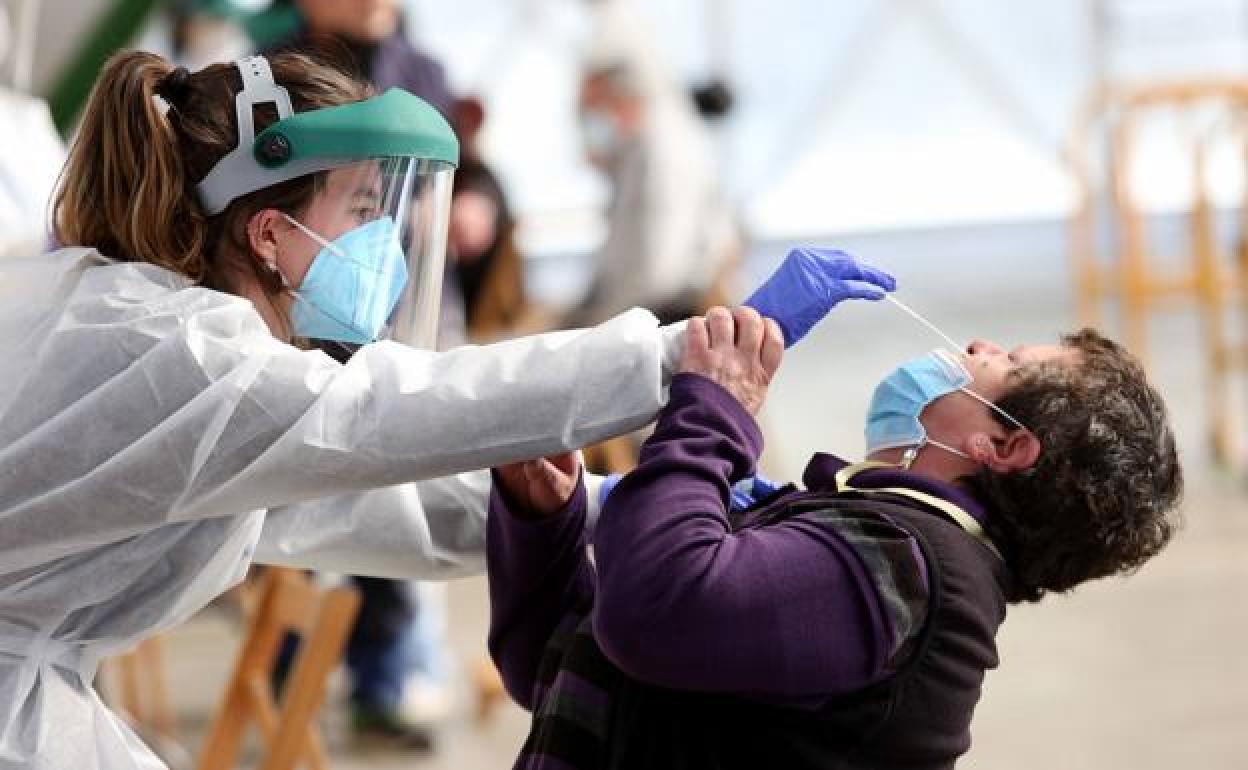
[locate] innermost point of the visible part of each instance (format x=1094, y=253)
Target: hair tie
x=174, y=87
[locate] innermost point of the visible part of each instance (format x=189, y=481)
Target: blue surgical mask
x=353, y=284
x=899, y=400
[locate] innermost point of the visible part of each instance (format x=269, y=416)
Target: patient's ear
x=1017, y=451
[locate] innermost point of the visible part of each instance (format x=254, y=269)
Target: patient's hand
x=540, y=487
x=739, y=350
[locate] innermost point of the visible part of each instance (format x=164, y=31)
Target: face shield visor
x=380, y=226
x=379, y=216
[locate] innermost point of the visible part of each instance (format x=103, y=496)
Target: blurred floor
x=1141, y=674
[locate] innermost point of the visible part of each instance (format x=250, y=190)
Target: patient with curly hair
x=844, y=623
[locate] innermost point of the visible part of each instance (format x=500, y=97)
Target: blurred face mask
x=599, y=133
x=353, y=284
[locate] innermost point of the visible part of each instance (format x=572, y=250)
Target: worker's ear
x=1018, y=450
x=265, y=231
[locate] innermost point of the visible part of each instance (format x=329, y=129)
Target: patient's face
x=994, y=370
x=993, y=367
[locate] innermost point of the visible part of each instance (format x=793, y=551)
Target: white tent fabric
x=855, y=115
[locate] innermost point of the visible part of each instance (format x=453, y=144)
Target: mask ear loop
x=313, y=235
x=912, y=453
x=948, y=448
x=993, y=407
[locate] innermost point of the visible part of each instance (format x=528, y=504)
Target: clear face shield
x=380, y=218
x=381, y=228
x=415, y=318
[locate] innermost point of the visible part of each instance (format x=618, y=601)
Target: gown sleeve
x=152, y=407
x=428, y=530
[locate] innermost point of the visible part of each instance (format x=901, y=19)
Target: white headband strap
x=238, y=172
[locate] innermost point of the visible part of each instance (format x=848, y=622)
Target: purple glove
x=809, y=283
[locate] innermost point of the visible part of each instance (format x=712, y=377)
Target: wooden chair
x=289, y=602
x=139, y=689
x=1210, y=278
x=1221, y=281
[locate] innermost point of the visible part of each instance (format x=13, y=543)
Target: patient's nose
x=984, y=346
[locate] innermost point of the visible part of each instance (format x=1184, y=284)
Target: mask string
x=993, y=407
x=915, y=315
x=282, y=277
x=948, y=448
x=956, y=347
x=313, y=235
x=912, y=453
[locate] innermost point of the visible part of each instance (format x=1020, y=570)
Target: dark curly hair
x=1101, y=498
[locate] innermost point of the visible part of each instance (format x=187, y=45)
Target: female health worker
x=158, y=429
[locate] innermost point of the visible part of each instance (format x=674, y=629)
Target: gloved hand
x=745, y=492
x=748, y=491
x=809, y=283
x=608, y=483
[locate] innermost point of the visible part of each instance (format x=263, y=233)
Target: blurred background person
x=203, y=32
x=671, y=241
x=31, y=150
x=372, y=32
x=481, y=243
x=671, y=244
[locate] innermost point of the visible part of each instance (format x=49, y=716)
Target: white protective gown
x=155, y=439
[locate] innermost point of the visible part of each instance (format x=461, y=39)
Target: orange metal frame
x=1213, y=279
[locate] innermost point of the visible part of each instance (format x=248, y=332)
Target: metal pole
x=1099, y=23
x=719, y=52
x=26, y=27
x=719, y=32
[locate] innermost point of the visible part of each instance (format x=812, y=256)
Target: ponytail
x=124, y=189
